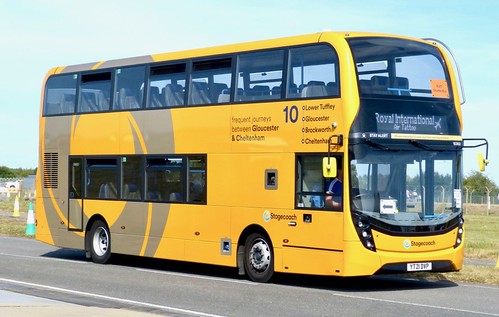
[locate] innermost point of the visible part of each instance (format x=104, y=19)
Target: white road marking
x=141, y=270
x=116, y=299
x=494, y=288
x=416, y=304
x=43, y=258
x=222, y=280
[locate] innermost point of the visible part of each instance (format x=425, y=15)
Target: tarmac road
x=40, y=274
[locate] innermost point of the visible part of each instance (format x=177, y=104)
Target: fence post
x=488, y=199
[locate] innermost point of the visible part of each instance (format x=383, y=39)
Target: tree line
x=6, y=172
x=480, y=183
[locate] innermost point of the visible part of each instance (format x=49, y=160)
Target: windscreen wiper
x=426, y=147
x=420, y=145
x=379, y=146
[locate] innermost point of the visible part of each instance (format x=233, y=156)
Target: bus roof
x=219, y=50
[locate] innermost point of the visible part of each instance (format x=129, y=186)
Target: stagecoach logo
x=267, y=216
x=409, y=243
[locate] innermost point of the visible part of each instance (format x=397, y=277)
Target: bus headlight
x=460, y=232
x=364, y=232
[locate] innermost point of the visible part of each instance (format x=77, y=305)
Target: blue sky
x=39, y=34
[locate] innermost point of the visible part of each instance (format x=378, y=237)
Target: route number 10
x=291, y=114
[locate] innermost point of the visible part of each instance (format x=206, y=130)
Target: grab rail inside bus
x=461, y=86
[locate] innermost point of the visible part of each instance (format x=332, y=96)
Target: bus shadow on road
x=344, y=284
x=66, y=254
x=376, y=283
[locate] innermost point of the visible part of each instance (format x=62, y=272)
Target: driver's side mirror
x=482, y=163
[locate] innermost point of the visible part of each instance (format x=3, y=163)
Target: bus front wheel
x=100, y=242
x=258, y=258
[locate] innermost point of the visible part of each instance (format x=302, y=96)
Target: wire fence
x=472, y=202
x=22, y=187
x=482, y=199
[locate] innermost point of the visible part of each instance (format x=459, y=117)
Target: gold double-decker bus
x=331, y=154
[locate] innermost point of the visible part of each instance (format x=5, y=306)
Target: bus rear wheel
x=258, y=258
x=100, y=242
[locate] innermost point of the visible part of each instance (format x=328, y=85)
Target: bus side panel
x=157, y=217
x=55, y=231
x=136, y=227
x=200, y=129
x=240, y=180
x=310, y=261
x=87, y=139
x=195, y=233
x=299, y=246
x=147, y=132
x=315, y=244
x=52, y=205
x=43, y=232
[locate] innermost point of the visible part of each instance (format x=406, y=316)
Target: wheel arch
x=88, y=227
x=254, y=228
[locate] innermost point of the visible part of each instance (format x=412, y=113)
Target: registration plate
x=415, y=267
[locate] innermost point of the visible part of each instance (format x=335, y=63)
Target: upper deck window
x=314, y=72
x=260, y=75
x=166, y=86
x=95, y=92
x=60, y=94
x=210, y=82
x=287, y=73
x=129, y=88
x=396, y=67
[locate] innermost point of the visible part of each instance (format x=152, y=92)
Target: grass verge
x=10, y=225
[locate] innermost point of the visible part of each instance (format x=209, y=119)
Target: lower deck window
x=102, y=178
x=166, y=178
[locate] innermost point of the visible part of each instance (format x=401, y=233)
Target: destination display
x=404, y=123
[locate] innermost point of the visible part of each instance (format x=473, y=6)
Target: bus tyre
x=258, y=258
x=100, y=242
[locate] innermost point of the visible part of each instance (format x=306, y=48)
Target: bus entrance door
x=75, y=208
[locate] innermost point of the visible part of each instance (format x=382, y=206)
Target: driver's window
x=314, y=191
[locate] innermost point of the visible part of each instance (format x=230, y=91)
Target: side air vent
x=50, y=170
